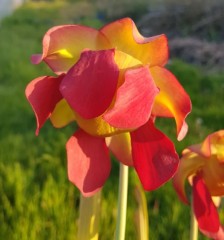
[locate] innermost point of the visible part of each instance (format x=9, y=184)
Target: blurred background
x=36, y=199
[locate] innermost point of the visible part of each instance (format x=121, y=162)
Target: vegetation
x=36, y=199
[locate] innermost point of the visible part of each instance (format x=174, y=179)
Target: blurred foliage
x=36, y=199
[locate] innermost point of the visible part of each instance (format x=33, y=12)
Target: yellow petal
x=124, y=36
x=217, y=144
x=212, y=145
x=96, y=126
x=172, y=100
x=62, y=114
x=62, y=45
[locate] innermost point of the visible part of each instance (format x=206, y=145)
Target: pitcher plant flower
x=203, y=165
x=113, y=84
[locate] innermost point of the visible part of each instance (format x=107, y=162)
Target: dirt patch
x=198, y=52
x=195, y=29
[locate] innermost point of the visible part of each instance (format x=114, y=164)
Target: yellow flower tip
x=62, y=53
x=97, y=126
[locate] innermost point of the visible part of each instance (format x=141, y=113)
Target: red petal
x=204, y=208
x=134, y=100
x=217, y=235
x=88, y=162
x=43, y=94
x=90, y=85
x=154, y=156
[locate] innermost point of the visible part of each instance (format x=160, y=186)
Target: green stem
x=122, y=203
x=89, y=211
x=194, y=225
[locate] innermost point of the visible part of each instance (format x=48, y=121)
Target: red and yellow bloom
x=203, y=164
x=113, y=84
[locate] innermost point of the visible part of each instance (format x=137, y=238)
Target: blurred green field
x=36, y=199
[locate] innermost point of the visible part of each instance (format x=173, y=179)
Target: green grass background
x=36, y=199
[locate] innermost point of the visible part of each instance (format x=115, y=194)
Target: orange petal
x=213, y=174
x=213, y=144
x=172, y=100
x=62, y=114
x=62, y=45
x=120, y=145
x=189, y=164
x=124, y=36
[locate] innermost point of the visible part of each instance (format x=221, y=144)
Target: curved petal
x=62, y=45
x=213, y=144
x=204, y=208
x=134, y=100
x=217, y=144
x=154, y=156
x=88, y=162
x=62, y=114
x=172, y=101
x=124, y=36
x=89, y=87
x=43, y=94
x=190, y=163
x=120, y=146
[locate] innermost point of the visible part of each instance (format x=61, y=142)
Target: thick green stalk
x=194, y=225
x=141, y=214
x=122, y=203
x=89, y=211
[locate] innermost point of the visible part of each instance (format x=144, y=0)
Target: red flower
x=204, y=164
x=112, y=83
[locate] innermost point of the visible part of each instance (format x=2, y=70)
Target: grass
x=36, y=199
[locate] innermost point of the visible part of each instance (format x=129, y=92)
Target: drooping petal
x=204, y=208
x=190, y=163
x=134, y=100
x=217, y=235
x=62, y=45
x=120, y=146
x=62, y=114
x=154, y=156
x=43, y=94
x=124, y=36
x=90, y=85
x=172, y=101
x=88, y=162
